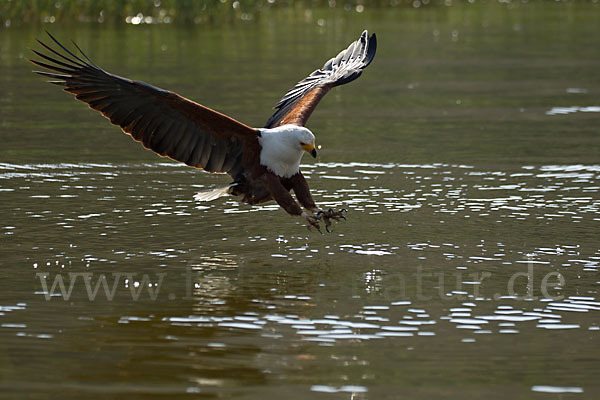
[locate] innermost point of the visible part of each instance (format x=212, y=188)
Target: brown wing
x=162, y=121
x=301, y=100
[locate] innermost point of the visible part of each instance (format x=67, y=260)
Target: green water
x=466, y=154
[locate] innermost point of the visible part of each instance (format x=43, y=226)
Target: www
x=58, y=287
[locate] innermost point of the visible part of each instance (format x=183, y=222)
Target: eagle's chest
x=281, y=168
x=280, y=158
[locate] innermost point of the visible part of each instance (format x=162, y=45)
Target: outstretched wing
x=301, y=100
x=162, y=121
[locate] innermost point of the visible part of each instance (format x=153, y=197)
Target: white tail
x=213, y=194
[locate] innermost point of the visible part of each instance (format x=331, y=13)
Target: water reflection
x=212, y=278
x=215, y=312
x=573, y=109
x=469, y=259
x=550, y=193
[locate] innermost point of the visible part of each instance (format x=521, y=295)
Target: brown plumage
x=304, y=107
x=183, y=130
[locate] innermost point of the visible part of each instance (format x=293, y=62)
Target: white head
x=283, y=148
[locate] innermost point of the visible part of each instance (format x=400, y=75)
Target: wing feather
x=184, y=147
x=217, y=156
x=296, y=106
x=202, y=153
x=159, y=136
x=162, y=121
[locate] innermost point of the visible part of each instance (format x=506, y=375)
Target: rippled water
x=255, y=298
x=468, y=265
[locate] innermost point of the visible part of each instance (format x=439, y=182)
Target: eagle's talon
x=327, y=224
x=314, y=222
x=327, y=216
x=342, y=211
x=318, y=229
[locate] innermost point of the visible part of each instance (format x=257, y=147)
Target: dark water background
x=467, y=156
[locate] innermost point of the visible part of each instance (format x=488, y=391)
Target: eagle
x=264, y=163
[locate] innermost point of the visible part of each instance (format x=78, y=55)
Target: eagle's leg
x=330, y=214
x=280, y=192
x=312, y=221
x=298, y=183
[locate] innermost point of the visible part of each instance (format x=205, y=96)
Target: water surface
x=466, y=155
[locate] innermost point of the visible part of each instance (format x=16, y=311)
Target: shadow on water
x=466, y=157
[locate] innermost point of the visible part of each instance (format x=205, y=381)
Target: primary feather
x=162, y=121
x=298, y=103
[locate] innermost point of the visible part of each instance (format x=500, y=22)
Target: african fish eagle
x=263, y=162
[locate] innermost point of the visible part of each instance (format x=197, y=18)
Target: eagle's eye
x=302, y=144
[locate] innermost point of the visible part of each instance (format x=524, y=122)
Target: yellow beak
x=310, y=148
